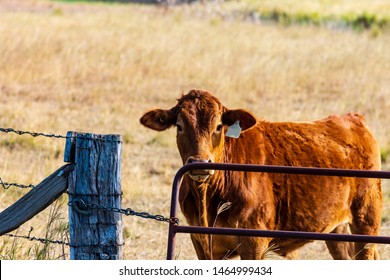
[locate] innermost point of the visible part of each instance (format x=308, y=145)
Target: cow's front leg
x=253, y=248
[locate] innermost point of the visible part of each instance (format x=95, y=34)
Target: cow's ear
x=159, y=119
x=246, y=119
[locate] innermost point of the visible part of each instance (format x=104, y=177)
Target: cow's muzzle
x=199, y=175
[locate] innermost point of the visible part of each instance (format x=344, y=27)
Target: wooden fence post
x=95, y=231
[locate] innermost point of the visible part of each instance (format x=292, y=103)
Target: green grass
x=361, y=15
x=355, y=21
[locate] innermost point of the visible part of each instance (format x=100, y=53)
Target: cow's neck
x=226, y=186
x=235, y=186
x=208, y=199
x=199, y=194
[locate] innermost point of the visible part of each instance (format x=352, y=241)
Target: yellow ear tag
x=234, y=130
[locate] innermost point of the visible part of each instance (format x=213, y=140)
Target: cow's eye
x=219, y=127
x=179, y=128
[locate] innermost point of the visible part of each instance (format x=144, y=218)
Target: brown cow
x=273, y=201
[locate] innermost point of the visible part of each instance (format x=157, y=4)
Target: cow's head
x=201, y=121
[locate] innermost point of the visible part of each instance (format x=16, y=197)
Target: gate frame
x=174, y=228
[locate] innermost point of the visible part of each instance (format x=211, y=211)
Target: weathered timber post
x=94, y=188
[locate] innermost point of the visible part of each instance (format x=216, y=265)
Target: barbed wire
x=33, y=134
x=85, y=206
x=85, y=209
x=80, y=205
x=39, y=239
x=52, y=135
x=6, y=185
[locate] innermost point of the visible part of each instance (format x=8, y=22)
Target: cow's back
x=335, y=142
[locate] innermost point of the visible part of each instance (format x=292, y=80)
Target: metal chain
x=6, y=185
x=84, y=208
x=79, y=204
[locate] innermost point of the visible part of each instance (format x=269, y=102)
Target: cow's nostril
x=197, y=160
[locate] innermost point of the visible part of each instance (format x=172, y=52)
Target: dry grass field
x=98, y=67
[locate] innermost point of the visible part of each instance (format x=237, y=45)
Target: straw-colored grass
x=97, y=68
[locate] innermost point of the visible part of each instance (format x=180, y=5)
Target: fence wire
x=85, y=209
x=33, y=134
x=52, y=135
x=6, y=185
x=39, y=239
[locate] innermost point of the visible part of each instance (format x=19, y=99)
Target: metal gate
x=175, y=228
